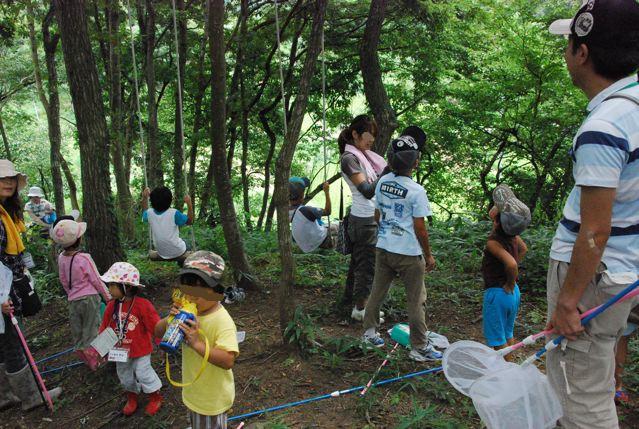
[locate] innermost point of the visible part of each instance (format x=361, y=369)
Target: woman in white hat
x=40, y=210
x=17, y=384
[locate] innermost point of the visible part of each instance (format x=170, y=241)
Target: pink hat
x=67, y=232
x=122, y=272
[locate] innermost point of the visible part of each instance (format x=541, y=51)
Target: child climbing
x=307, y=228
x=403, y=247
x=621, y=352
x=503, y=252
x=133, y=319
x=81, y=281
x=164, y=222
x=210, y=397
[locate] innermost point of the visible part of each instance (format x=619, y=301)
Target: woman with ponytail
x=360, y=168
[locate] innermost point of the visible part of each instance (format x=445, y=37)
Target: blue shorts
x=499, y=313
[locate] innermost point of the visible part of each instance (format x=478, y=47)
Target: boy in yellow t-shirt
x=212, y=394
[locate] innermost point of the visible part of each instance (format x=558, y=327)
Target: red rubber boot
x=131, y=404
x=155, y=402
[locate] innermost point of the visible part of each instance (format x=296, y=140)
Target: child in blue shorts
x=500, y=266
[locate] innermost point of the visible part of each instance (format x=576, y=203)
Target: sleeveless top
x=492, y=269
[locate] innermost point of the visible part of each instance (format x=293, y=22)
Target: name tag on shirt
x=118, y=355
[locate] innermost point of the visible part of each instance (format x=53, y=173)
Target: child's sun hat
x=123, y=273
x=67, y=232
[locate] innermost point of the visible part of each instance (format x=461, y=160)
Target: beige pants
x=587, y=365
x=411, y=272
x=84, y=318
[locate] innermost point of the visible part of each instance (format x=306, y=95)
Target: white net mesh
x=465, y=362
x=518, y=397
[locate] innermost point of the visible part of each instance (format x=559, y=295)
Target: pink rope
x=43, y=388
x=370, y=382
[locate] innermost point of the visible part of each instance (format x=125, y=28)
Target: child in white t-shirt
x=165, y=222
x=307, y=228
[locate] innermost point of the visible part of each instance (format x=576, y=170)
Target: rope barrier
x=60, y=368
x=53, y=356
x=335, y=394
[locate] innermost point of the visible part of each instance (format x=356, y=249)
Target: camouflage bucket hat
x=515, y=215
x=206, y=265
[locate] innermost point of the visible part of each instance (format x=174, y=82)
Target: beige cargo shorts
x=582, y=371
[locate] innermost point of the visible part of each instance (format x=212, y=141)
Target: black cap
x=601, y=22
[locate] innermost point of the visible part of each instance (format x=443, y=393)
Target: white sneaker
x=427, y=354
x=359, y=315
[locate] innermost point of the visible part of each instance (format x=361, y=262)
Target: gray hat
x=514, y=214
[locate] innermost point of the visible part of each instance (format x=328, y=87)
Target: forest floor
x=327, y=357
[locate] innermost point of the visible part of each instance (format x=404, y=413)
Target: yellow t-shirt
x=214, y=392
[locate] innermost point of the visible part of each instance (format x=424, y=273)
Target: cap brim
x=560, y=27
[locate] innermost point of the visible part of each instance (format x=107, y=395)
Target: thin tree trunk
x=178, y=144
x=146, y=21
x=283, y=167
x=52, y=105
x=198, y=120
x=117, y=135
x=5, y=140
x=73, y=188
x=234, y=242
x=374, y=90
x=267, y=166
x=103, y=241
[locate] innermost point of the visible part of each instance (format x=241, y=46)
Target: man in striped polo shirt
x=595, y=251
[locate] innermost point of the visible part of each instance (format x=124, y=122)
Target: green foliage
x=302, y=332
x=428, y=417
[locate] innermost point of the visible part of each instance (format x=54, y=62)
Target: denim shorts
x=499, y=313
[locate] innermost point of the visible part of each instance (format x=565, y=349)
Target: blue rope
x=594, y=314
x=55, y=355
x=333, y=394
x=60, y=368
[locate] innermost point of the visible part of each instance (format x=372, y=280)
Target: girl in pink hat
x=81, y=281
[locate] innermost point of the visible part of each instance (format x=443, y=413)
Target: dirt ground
x=266, y=374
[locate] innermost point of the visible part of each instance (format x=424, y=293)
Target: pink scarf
x=372, y=162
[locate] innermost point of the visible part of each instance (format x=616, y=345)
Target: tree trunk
x=52, y=105
x=178, y=143
x=146, y=21
x=73, y=188
x=267, y=166
x=374, y=90
x=125, y=202
x=234, y=242
x=198, y=120
x=5, y=140
x=283, y=167
x=103, y=241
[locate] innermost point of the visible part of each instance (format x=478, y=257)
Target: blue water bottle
x=173, y=337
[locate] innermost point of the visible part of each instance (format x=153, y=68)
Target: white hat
x=7, y=169
x=35, y=191
x=122, y=272
x=67, y=232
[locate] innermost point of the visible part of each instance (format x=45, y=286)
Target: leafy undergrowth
x=323, y=352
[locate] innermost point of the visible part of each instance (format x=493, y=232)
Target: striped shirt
x=605, y=153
